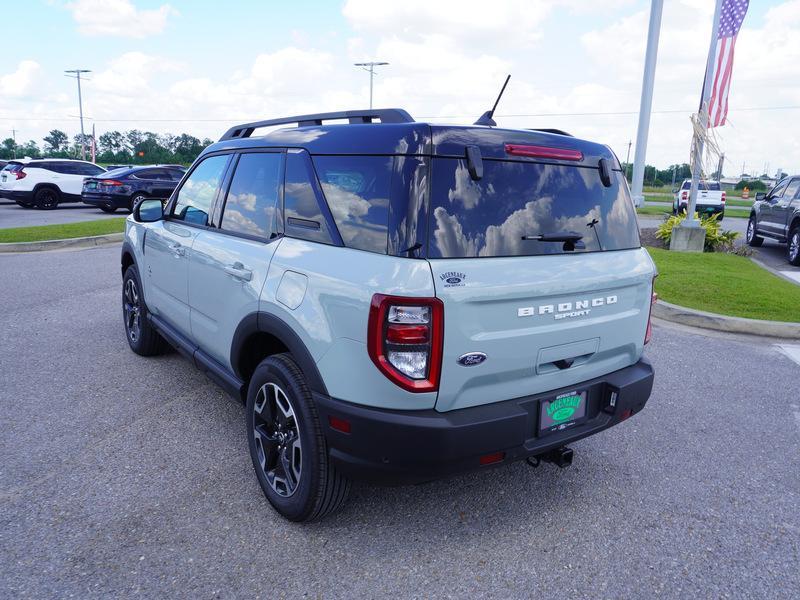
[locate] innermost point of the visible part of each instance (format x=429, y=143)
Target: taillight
x=724, y=196
x=653, y=299
x=544, y=152
x=684, y=195
x=110, y=182
x=20, y=174
x=404, y=340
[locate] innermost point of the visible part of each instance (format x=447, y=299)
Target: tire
x=143, y=338
x=793, y=246
x=751, y=237
x=135, y=199
x=46, y=198
x=108, y=209
x=283, y=432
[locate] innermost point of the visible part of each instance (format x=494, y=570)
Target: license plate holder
x=562, y=412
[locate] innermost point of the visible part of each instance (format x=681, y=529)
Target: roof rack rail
x=558, y=131
x=386, y=115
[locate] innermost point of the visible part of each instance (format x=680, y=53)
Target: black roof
x=393, y=131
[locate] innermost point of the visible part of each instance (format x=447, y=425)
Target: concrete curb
x=74, y=243
x=706, y=320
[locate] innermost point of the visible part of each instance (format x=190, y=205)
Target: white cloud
x=118, y=18
x=20, y=83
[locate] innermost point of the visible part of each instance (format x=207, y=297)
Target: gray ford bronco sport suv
x=397, y=301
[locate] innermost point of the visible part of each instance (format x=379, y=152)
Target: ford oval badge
x=470, y=359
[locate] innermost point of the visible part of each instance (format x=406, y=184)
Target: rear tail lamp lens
x=110, y=182
x=653, y=299
x=724, y=196
x=20, y=174
x=404, y=340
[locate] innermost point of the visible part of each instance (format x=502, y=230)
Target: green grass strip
x=725, y=284
x=39, y=233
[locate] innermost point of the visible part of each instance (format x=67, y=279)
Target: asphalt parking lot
x=124, y=476
x=13, y=215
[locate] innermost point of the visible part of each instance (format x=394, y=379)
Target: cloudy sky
x=198, y=67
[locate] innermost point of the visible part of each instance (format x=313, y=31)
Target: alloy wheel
x=751, y=229
x=794, y=246
x=133, y=313
x=277, y=439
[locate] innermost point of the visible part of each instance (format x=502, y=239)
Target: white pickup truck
x=710, y=198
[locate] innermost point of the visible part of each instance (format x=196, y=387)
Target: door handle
x=239, y=271
x=177, y=249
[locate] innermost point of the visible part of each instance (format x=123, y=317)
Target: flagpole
x=697, y=160
x=646, y=104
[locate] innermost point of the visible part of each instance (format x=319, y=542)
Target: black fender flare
x=127, y=249
x=264, y=322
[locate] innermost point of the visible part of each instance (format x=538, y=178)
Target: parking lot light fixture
x=370, y=68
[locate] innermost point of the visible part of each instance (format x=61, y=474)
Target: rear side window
x=302, y=204
x=196, y=196
x=253, y=195
x=516, y=200
x=357, y=191
x=88, y=169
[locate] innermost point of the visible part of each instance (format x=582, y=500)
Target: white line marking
x=795, y=275
x=791, y=351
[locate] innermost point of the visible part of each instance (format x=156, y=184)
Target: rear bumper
x=705, y=208
x=26, y=197
x=107, y=200
x=393, y=446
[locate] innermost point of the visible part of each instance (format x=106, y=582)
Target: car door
x=71, y=178
x=782, y=208
x=229, y=264
x=767, y=220
x=168, y=243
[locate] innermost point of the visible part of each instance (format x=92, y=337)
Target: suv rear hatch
x=547, y=314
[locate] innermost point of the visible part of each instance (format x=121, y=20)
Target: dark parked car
x=776, y=215
x=124, y=188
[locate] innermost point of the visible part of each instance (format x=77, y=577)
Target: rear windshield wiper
x=559, y=236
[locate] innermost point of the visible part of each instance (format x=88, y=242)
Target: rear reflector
x=544, y=152
x=407, y=334
x=626, y=414
x=490, y=459
x=649, y=333
x=339, y=424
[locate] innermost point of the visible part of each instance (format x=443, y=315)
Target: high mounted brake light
x=544, y=152
x=404, y=340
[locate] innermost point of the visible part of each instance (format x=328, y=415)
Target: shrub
x=717, y=240
x=751, y=184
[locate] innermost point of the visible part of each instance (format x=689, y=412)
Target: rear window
x=702, y=185
x=490, y=217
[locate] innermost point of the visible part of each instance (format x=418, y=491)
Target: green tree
x=30, y=149
x=57, y=141
x=8, y=148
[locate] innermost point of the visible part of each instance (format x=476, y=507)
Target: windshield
x=516, y=200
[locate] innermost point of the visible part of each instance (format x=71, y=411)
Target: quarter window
x=357, y=191
x=196, y=196
x=253, y=195
x=792, y=189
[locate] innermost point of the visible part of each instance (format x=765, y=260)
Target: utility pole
x=743, y=164
x=80, y=106
x=14, y=135
x=371, y=71
x=656, y=8
x=628, y=159
x=719, y=168
x=674, y=167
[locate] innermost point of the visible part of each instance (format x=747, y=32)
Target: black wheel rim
x=132, y=308
x=794, y=246
x=47, y=199
x=277, y=439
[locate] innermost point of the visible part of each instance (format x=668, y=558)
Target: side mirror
x=148, y=211
x=760, y=196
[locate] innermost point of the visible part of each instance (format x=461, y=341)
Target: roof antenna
x=486, y=118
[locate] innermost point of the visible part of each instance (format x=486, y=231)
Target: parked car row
x=46, y=183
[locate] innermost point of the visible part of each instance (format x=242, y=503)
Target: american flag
x=730, y=21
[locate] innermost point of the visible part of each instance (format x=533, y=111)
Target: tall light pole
x=656, y=8
x=370, y=68
x=77, y=73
